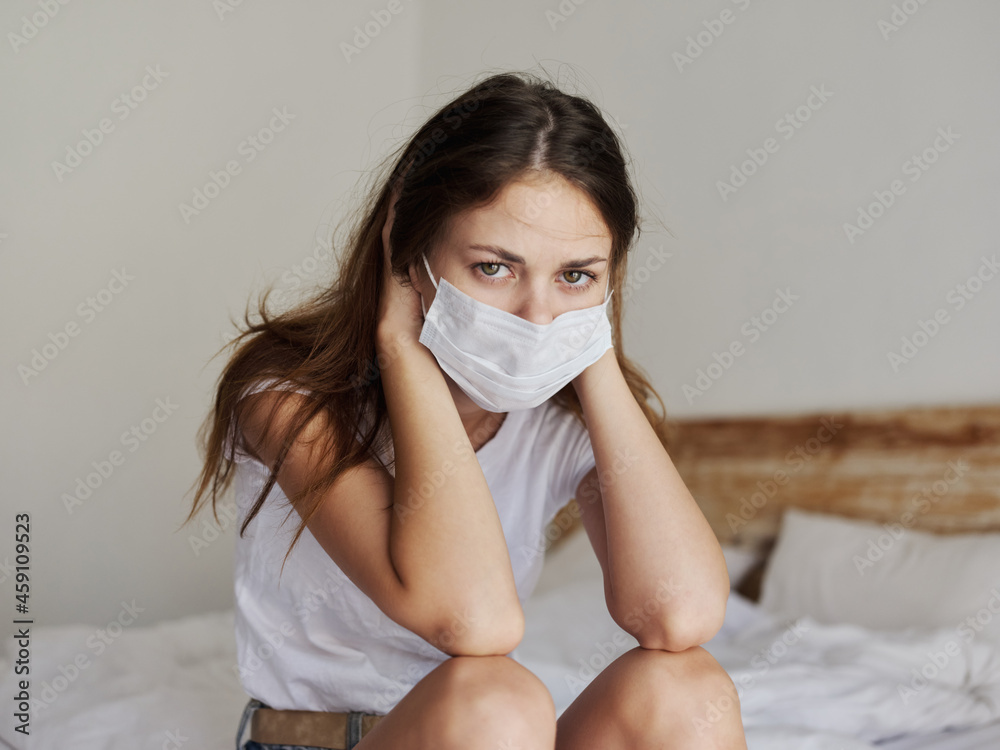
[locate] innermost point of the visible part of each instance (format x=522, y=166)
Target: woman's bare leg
x=654, y=699
x=470, y=703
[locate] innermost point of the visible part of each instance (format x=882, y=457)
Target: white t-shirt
x=314, y=641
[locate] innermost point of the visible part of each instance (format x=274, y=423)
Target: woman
x=423, y=419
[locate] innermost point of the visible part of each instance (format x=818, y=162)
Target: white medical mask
x=503, y=362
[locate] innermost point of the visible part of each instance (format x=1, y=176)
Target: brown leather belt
x=313, y=728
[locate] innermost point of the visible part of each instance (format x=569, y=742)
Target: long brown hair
x=501, y=129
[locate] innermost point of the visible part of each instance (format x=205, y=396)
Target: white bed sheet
x=173, y=685
x=838, y=691
x=980, y=738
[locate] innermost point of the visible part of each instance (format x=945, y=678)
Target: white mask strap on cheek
x=428, y=267
x=431, y=276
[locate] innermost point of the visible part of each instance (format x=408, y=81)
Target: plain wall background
x=704, y=268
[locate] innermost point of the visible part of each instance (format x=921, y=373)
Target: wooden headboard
x=942, y=465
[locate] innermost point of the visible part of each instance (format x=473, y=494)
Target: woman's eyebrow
x=513, y=258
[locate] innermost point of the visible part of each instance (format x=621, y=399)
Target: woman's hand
x=399, y=313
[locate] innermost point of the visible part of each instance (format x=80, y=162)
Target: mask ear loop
x=431, y=276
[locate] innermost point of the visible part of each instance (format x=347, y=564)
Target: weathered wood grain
x=941, y=465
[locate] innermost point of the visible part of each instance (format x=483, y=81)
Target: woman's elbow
x=680, y=631
x=467, y=634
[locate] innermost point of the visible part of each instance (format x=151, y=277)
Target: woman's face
x=539, y=250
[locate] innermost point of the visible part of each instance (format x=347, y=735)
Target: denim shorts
x=353, y=731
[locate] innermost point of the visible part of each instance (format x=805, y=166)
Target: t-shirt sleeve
x=573, y=460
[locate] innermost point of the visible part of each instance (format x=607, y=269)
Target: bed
x=864, y=553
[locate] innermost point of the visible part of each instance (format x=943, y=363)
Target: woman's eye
x=490, y=272
x=588, y=280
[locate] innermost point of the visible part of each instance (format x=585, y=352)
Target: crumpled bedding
x=803, y=684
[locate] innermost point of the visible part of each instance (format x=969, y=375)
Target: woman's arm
x=666, y=579
x=446, y=541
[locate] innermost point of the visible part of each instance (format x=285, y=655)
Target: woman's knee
x=681, y=690
x=494, y=697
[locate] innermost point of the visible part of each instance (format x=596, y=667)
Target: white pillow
x=883, y=576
